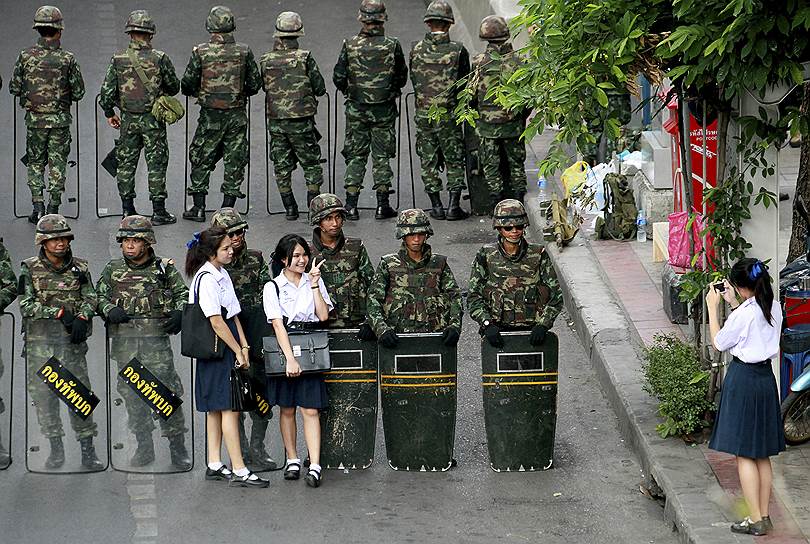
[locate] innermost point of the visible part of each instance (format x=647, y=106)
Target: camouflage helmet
x=220, y=19
x=52, y=226
x=140, y=21
x=48, y=17
x=372, y=11
x=288, y=25
x=439, y=10
x=228, y=219
x=413, y=221
x=494, y=29
x=323, y=205
x=509, y=213
x=136, y=226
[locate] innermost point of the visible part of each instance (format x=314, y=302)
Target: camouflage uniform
x=517, y=292
x=8, y=292
x=347, y=271
x=123, y=88
x=46, y=293
x=148, y=292
x=498, y=129
x=618, y=108
x=47, y=79
x=221, y=74
x=414, y=296
x=292, y=83
x=370, y=72
x=436, y=64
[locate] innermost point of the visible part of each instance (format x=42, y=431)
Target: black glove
x=389, y=339
x=366, y=332
x=117, y=316
x=67, y=318
x=493, y=334
x=450, y=336
x=79, y=331
x=538, y=335
x=174, y=323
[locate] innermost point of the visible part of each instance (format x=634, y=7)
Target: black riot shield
x=64, y=381
x=349, y=424
x=8, y=331
x=418, y=396
x=519, y=384
x=151, y=423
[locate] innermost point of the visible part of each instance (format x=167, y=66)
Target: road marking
x=143, y=507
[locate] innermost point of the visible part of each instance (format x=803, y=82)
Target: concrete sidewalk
x=613, y=293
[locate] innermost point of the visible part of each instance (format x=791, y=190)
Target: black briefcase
x=310, y=349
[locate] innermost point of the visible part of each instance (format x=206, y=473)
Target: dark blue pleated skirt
x=749, y=421
x=212, y=378
x=306, y=391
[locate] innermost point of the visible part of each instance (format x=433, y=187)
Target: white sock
x=315, y=467
x=216, y=466
x=242, y=472
x=294, y=461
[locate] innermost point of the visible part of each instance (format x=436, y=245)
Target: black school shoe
x=292, y=471
x=218, y=474
x=313, y=478
x=247, y=481
x=748, y=527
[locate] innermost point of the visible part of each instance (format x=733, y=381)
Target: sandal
x=313, y=477
x=292, y=470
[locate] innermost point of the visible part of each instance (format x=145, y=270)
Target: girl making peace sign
x=298, y=297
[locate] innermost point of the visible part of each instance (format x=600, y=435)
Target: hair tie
x=194, y=241
x=756, y=270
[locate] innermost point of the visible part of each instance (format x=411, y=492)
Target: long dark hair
x=202, y=247
x=284, y=251
x=753, y=274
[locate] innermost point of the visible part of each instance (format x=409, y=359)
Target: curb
x=693, y=494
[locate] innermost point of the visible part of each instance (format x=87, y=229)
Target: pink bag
x=678, y=246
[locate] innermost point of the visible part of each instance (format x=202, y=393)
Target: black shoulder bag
x=197, y=338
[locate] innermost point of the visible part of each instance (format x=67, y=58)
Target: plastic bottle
x=641, y=227
x=541, y=183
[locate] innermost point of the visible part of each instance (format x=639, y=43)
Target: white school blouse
x=295, y=302
x=216, y=291
x=746, y=334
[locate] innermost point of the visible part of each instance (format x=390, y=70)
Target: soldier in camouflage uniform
x=346, y=271
x=8, y=292
x=47, y=79
x=513, y=285
x=248, y=271
x=123, y=88
x=436, y=65
x=414, y=290
x=57, y=305
x=292, y=83
x=147, y=293
x=498, y=129
x=221, y=75
x=370, y=72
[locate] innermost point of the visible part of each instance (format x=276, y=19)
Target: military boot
x=351, y=206
x=311, y=195
x=454, y=211
x=197, y=211
x=38, y=213
x=178, y=452
x=437, y=208
x=243, y=441
x=290, y=206
x=260, y=460
x=228, y=201
x=57, y=456
x=494, y=198
x=144, y=453
x=384, y=209
x=89, y=457
x=128, y=207
x=53, y=207
x=159, y=214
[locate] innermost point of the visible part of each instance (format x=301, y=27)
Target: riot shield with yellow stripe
x=519, y=384
x=349, y=423
x=418, y=394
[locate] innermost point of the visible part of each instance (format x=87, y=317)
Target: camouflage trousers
x=368, y=131
x=288, y=149
x=142, y=131
x=441, y=148
x=156, y=355
x=220, y=134
x=491, y=151
x=72, y=357
x=45, y=146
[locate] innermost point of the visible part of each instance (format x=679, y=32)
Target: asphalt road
x=591, y=494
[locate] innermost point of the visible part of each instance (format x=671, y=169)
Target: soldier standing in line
x=147, y=292
x=124, y=88
x=292, y=83
x=436, y=65
x=513, y=285
x=414, y=290
x=47, y=79
x=248, y=271
x=57, y=305
x=370, y=72
x=498, y=129
x=221, y=74
x=8, y=292
x=347, y=271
